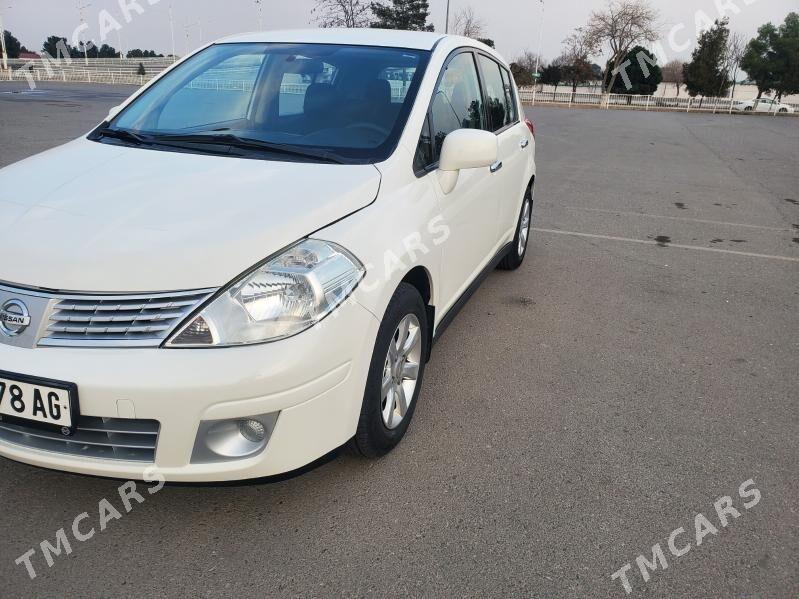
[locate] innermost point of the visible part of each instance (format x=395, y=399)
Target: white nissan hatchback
x=245, y=266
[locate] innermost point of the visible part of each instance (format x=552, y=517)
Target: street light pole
x=81, y=8
x=260, y=5
x=172, y=32
x=3, y=44
x=446, y=26
x=540, y=41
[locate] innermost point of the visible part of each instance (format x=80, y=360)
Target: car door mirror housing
x=463, y=149
x=113, y=112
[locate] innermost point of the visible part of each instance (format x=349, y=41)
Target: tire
x=748, y=109
x=380, y=429
x=521, y=240
x=783, y=110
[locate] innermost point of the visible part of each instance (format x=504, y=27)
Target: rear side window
x=497, y=104
x=457, y=103
x=510, y=97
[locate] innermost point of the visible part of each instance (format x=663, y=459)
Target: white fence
x=621, y=101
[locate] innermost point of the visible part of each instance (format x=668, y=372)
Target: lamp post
x=188, y=27
x=3, y=44
x=172, y=33
x=446, y=26
x=260, y=5
x=81, y=8
x=540, y=39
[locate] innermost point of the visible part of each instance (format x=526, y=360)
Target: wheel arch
x=420, y=278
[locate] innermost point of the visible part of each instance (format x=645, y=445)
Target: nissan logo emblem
x=14, y=318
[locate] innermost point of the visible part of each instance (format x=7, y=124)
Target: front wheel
x=395, y=375
x=517, y=252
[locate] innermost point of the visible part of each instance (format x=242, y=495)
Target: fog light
x=252, y=430
x=234, y=439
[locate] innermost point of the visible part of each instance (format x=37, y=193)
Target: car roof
x=389, y=38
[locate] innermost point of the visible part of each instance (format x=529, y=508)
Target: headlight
x=285, y=296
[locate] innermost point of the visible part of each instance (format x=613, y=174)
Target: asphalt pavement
x=643, y=363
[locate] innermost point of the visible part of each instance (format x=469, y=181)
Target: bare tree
x=574, y=62
x=528, y=61
x=468, y=24
x=342, y=13
x=672, y=73
x=623, y=25
x=736, y=48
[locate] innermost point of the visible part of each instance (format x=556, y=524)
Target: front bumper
x=315, y=381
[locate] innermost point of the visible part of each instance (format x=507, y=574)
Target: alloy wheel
x=524, y=227
x=401, y=371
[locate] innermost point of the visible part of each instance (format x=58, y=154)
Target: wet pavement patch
x=796, y=239
x=790, y=201
x=716, y=240
x=680, y=205
x=663, y=240
x=738, y=240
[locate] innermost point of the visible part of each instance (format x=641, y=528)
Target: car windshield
x=347, y=103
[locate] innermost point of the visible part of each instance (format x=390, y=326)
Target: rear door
x=514, y=141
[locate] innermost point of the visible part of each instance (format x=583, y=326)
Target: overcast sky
x=514, y=24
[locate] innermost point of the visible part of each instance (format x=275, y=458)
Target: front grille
x=143, y=321
x=105, y=438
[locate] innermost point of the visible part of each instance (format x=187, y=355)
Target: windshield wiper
x=123, y=134
x=245, y=143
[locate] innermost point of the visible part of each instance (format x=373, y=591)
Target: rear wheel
x=748, y=109
x=517, y=252
x=783, y=110
x=395, y=375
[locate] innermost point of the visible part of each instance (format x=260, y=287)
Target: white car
x=763, y=105
x=246, y=265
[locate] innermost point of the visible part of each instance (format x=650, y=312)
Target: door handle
x=496, y=166
x=524, y=143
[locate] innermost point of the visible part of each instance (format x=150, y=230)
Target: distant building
x=28, y=55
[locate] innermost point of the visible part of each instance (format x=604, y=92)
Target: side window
x=510, y=97
x=400, y=79
x=496, y=97
x=457, y=103
x=294, y=85
x=424, y=151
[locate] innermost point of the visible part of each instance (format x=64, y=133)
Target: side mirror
x=465, y=148
x=113, y=112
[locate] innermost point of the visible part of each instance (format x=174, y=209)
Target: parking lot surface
x=643, y=363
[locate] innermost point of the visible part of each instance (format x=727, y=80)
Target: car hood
x=97, y=217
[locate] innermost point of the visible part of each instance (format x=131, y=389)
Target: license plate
x=38, y=401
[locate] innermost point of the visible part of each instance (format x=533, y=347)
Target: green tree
x=521, y=76
x=13, y=47
x=487, y=41
x=410, y=15
x=707, y=74
x=786, y=57
x=106, y=51
x=552, y=75
x=138, y=53
x=758, y=59
x=639, y=74
x=57, y=47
